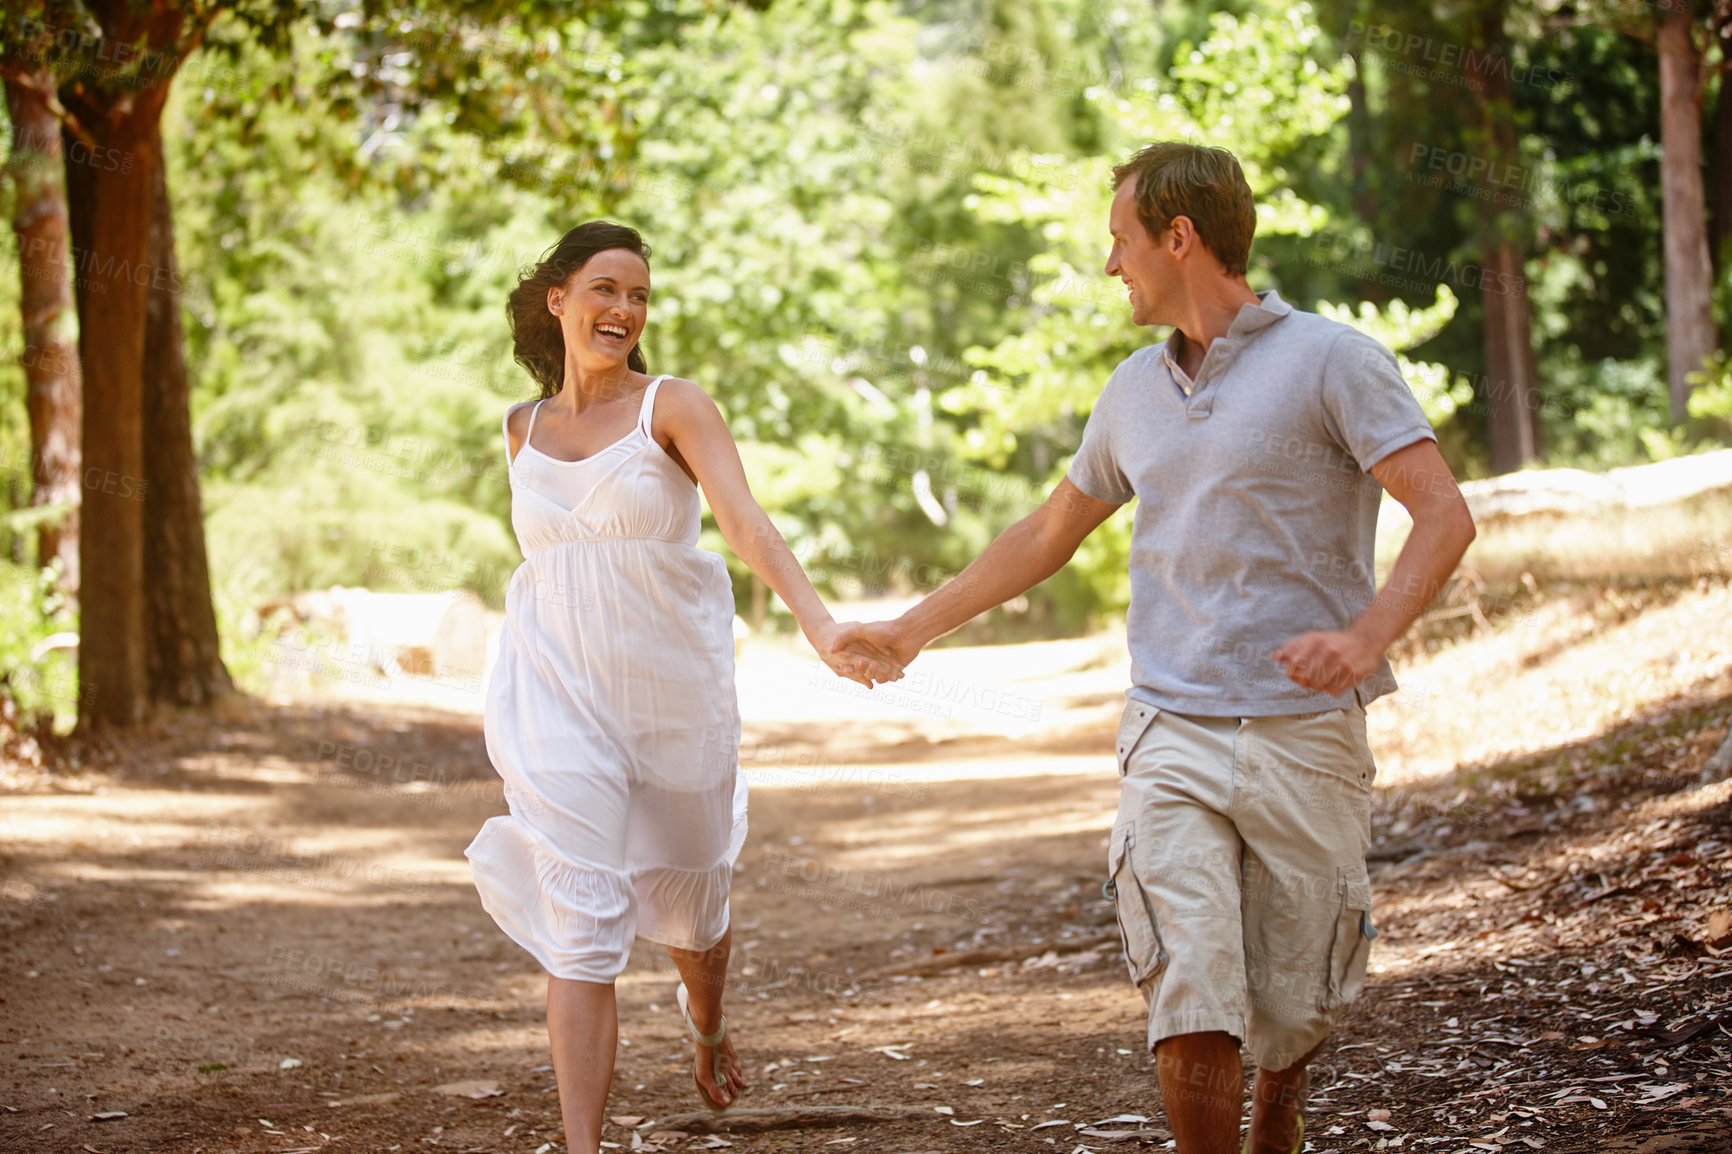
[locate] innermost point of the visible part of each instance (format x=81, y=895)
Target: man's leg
x=1174, y=863
x=1304, y=813
x=1202, y=1086
x=1275, y=1107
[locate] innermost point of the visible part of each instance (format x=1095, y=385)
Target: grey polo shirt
x=1257, y=514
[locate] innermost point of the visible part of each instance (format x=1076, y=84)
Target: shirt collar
x=1250, y=319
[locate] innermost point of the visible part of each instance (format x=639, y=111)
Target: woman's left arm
x=693, y=426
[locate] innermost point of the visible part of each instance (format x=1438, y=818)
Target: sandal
x=712, y=1041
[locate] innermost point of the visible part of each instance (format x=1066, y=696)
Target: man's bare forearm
x=1019, y=558
x=1433, y=549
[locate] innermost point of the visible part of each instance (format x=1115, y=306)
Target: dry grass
x=1689, y=539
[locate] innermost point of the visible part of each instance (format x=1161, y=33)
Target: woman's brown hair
x=536, y=340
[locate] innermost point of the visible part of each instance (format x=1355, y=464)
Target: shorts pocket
x=1139, y=934
x=1132, y=726
x=1351, y=947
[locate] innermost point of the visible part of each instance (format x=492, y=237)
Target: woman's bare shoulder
x=682, y=392
x=517, y=425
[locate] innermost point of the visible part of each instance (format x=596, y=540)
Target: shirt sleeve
x=1367, y=404
x=1095, y=468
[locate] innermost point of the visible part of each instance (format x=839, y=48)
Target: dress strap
x=648, y=405
x=505, y=431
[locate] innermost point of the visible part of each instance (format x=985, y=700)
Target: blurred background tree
x=878, y=234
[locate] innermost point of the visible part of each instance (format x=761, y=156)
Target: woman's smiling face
x=603, y=307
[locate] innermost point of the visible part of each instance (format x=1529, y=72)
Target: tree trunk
x=1509, y=353
x=1360, y=156
x=1721, y=223
x=1509, y=347
x=109, y=202
x=51, y=375
x=1690, y=336
x=111, y=238
x=183, y=659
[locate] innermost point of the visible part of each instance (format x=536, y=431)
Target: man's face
x=1145, y=267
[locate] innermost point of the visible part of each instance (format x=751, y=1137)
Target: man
x=1256, y=438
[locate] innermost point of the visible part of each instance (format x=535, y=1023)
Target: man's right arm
x=1020, y=558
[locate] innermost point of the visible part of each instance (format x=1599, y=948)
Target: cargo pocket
x=1139, y=935
x=1351, y=946
x=1132, y=725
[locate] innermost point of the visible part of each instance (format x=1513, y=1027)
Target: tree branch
x=13, y=74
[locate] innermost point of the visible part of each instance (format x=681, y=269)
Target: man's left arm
x=1335, y=661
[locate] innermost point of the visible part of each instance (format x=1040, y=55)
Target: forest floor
x=255, y=930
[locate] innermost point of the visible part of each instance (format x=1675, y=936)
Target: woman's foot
x=725, y=1080
x=716, y=1065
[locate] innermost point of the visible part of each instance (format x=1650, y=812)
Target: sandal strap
x=703, y=1039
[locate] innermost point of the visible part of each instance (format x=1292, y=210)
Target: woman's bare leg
x=583, y=1028
x=705, y=974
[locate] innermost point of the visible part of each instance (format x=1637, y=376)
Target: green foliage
x=40, y=680
x=878, y=237
x=1041, y=378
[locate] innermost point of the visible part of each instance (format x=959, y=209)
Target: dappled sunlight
x=925, y=931
x=887, y=776
x=1572, y=669
x=118, y=817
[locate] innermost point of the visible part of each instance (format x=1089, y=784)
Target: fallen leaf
x=470, y=1089
x=1377, y=1115
x=370, y=1099
x=627, y=1120
x=108, y=1116
x=1688, y=1033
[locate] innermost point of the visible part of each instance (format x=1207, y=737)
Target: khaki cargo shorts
x=1237, y=863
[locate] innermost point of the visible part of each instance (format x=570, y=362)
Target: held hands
x=854, y=659
x=881, y=642
x=1329, y=662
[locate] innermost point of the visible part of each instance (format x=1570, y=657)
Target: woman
x=611, y=712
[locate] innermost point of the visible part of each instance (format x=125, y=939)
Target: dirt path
x=257, y=932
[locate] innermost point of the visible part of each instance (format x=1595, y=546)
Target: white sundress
x=611, y=714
